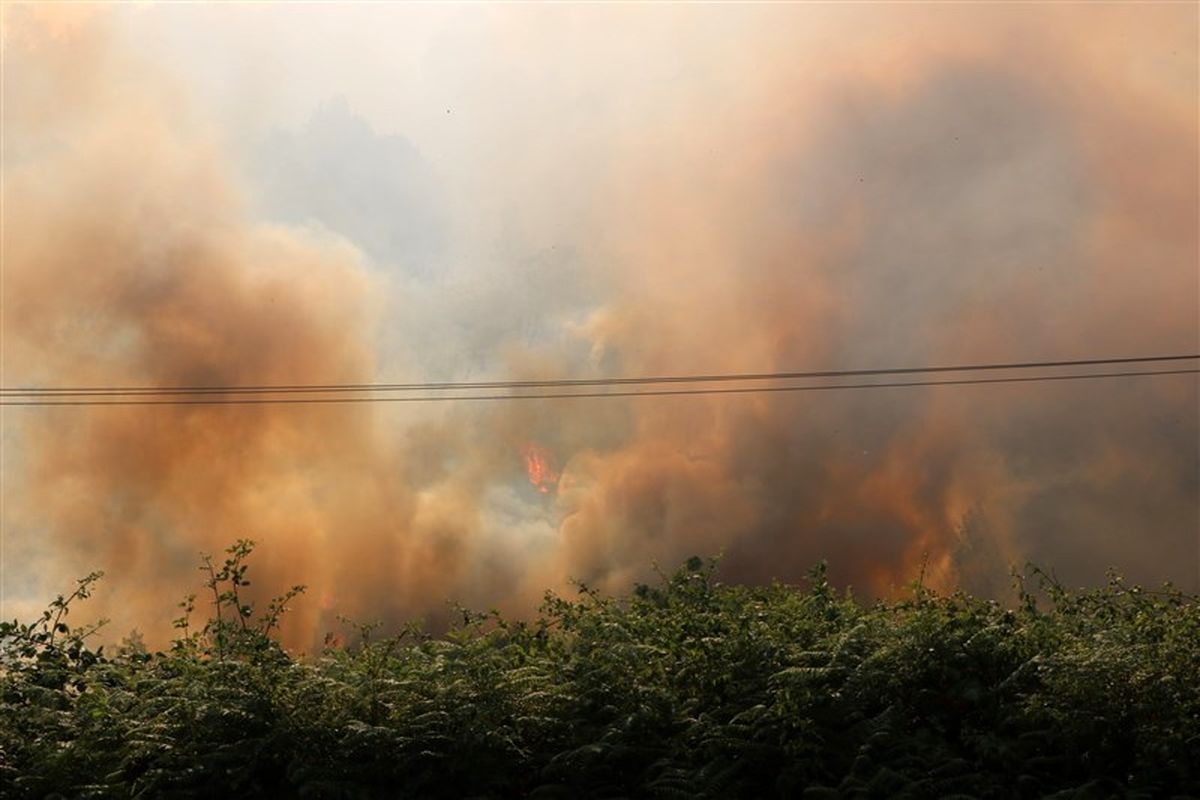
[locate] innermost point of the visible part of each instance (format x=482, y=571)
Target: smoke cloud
x=760, y=189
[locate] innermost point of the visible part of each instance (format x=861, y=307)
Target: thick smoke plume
x=128, y=261
x=984, y=185
x=1004, y=197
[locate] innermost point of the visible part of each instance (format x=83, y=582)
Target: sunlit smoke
x=631, y=191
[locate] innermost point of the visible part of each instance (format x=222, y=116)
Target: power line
x=123, y=391
x=581, y=395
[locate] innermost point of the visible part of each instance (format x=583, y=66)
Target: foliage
x=687, y=688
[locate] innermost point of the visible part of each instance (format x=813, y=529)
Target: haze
x=275, y=194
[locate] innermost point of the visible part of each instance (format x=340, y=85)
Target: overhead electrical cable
x=579, y=395
x=358, y=388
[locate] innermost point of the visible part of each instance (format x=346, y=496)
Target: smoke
x=992, y=189
x=129, y=261
x=1000, y=200
x=989, y=184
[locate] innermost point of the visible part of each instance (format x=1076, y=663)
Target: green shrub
x=687, y=688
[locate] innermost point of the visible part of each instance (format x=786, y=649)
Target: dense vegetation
x=684, y=689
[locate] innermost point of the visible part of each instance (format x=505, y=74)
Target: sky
x=204, y=194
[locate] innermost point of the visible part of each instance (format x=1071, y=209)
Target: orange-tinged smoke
x=971, y=185
x=987, y=187
x=128, y=260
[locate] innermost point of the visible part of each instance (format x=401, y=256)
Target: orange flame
x=539, y=466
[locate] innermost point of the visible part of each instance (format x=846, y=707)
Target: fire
x=539, y=466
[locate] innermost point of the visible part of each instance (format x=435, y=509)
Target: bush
x=687, y=688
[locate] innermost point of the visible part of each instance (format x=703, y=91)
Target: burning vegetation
x=539, y=465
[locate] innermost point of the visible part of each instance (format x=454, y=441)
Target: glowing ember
x=539, y=466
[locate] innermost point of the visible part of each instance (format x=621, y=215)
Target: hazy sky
x=279, y=193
